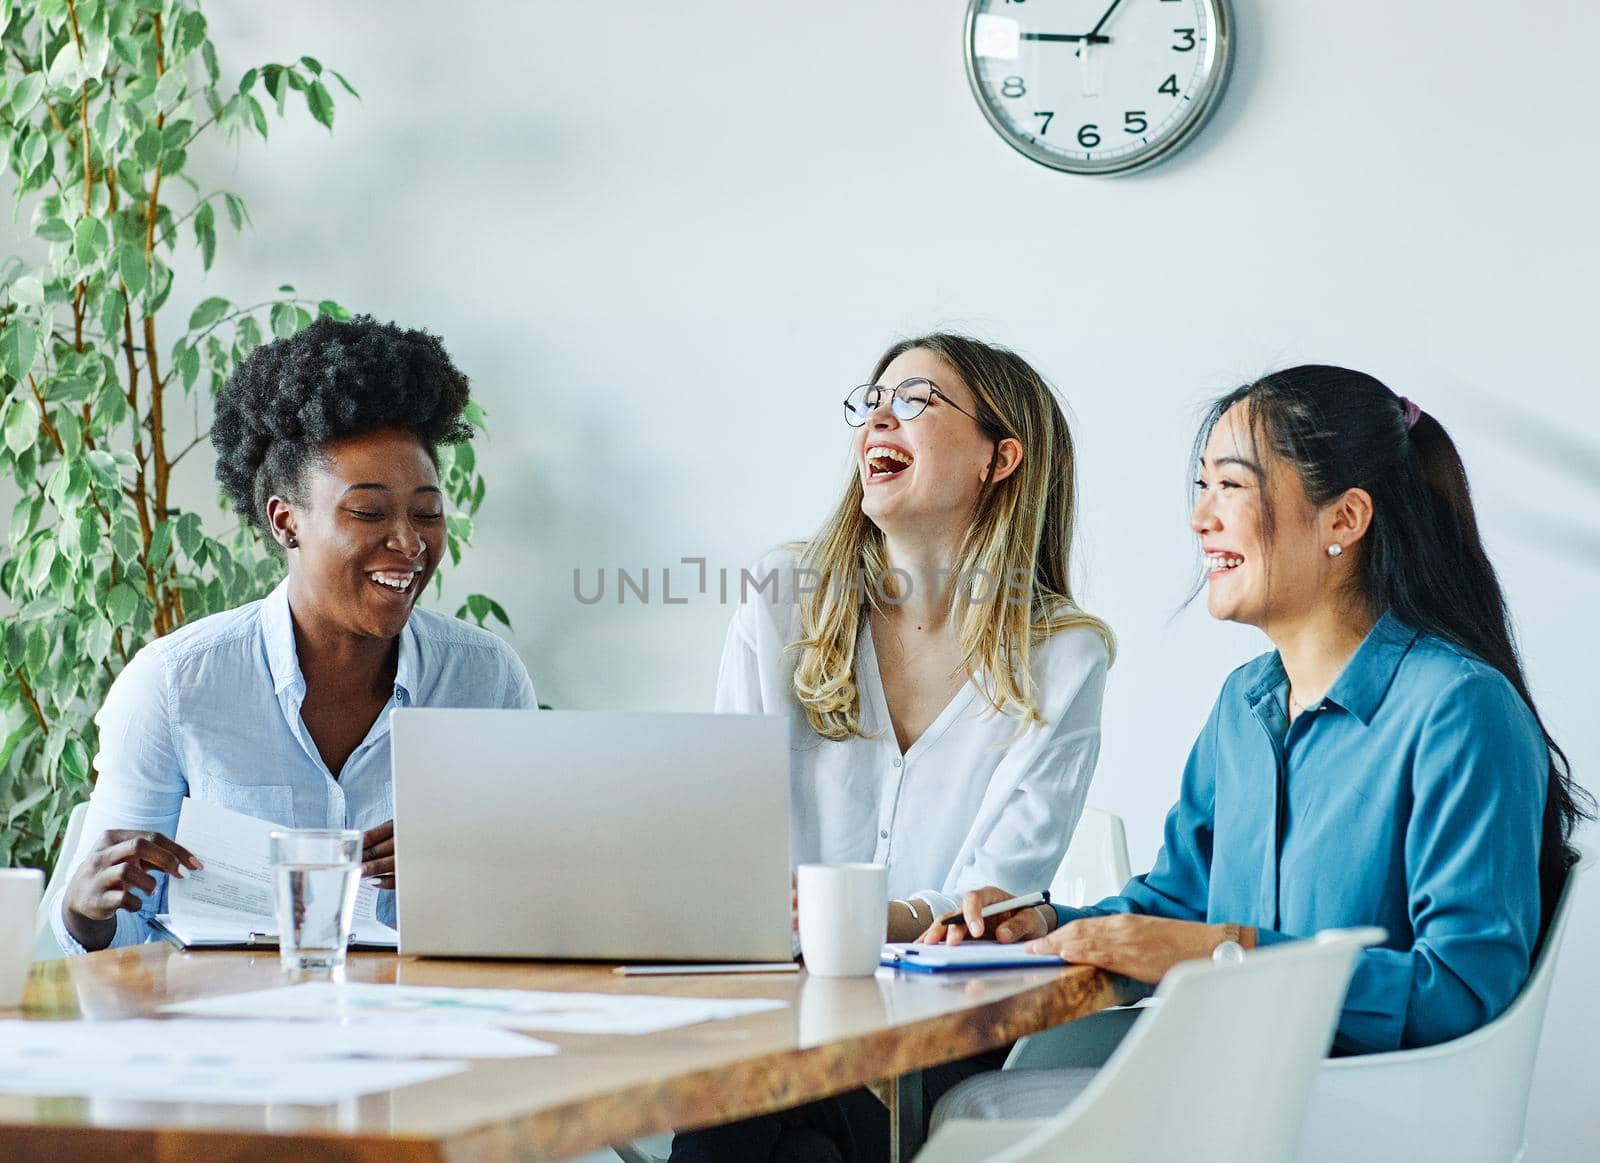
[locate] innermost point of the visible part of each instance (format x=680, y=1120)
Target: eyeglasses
x=908, y=400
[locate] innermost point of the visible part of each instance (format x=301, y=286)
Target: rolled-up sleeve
x=1472, y=860
x=139, y=785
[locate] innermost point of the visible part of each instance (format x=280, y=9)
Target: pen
x=1026, y=901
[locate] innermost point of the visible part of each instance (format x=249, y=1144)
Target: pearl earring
x=292, y=542
x=1335, y=549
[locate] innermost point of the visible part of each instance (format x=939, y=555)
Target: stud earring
x=292, y=542
x=1335, y=549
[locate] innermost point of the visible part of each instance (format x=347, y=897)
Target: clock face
x=1097, y=86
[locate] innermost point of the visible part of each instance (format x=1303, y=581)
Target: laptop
x=585, y=835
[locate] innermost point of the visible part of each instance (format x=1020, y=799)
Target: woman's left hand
x=1136, y=946
x=377, y=854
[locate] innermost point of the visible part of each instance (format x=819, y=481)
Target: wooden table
x=833, y=1035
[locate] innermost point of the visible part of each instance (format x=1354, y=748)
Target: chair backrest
x=1466, y=1099
x=1096, y=863
x=1219, y=1070
x=45, y=946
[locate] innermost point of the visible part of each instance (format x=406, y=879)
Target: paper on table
x=314, y=1083
x=232, y=896
x=203, y=1043
x=570, y=1013
x=969, y=953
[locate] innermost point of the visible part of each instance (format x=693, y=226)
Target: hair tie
x=1413, y=413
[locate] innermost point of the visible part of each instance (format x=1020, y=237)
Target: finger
x=148, y=854
x=183, y=855
x=972, y=910
x=384, y=882
x=384, y=867
x=381, y=848
x=110, y=903
x=120, y=877
x=955, y=934
x=375, y=835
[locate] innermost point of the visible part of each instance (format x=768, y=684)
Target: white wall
x=664, y=239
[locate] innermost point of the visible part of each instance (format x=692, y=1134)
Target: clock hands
x=1087, y=37
x=1105, y=17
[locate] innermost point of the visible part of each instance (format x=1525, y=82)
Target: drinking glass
x=316, y=873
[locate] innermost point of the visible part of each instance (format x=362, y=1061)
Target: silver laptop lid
x=580, y=834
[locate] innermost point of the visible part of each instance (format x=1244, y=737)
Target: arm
x=140, y=788
x=1472, y=877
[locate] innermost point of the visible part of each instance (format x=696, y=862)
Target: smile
x=884, y=462
x=1220, y=562
x=398, y=581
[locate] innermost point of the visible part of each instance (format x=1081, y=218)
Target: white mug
x=843, y=918
x=20, y=890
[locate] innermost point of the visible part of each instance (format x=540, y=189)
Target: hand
x=1017, y=925
x=121, y=861
x=1136, y=946
x=794, y=905
x=377, y=854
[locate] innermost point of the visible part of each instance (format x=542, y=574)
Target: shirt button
x=898, y=761
x=883, y=833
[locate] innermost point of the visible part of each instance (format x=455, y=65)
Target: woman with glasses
x=943, y=688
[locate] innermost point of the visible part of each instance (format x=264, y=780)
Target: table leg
x=905, y=1117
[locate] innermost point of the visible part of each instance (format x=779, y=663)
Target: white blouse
x=970, y=803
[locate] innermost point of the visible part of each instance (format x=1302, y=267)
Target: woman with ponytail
x=1385, y=765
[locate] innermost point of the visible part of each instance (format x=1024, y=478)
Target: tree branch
x=33, y=703
x=44, y=416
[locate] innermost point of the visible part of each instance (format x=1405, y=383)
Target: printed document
x=524, y=1009
x=230, y=900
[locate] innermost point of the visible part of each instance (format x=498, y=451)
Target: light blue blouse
x=1410, y=797
x=213, y=711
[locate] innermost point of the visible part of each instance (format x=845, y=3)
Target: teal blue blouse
x=1410, y=797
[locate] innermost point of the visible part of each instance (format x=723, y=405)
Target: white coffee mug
x=20, y=890
x=843, y=917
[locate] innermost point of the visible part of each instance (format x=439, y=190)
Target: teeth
x=1223, y=560
x=878, y=451
x=395, y=581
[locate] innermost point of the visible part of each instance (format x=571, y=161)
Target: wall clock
x=1098, y=86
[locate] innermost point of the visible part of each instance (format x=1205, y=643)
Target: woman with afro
x=327, y=442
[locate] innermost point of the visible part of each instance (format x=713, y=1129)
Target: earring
x=290, y=541
x=1335, y=549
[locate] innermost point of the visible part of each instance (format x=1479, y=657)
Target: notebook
x=969, y=955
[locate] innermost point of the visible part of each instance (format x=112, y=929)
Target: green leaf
x=273, y=77
x=170, y=90
x=312, y=63
x=348, y=87
x=190, y=534
x=89, y=241
x=207, y=312
x=205, y=233
x=103, y=468
x=26, y=95
x=320, y=102
x=237, y=214
x=88, y=535
x=27, y=291
x=249, y=79
x=258, y=116
x=121, y=604
x=333, y=311
x=191, y=33
x=18, y=346
x=283, y=320
x=132, y=267
x=459, y=526
x=474, y=414
x=54, y=230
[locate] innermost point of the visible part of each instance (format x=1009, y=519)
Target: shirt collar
x=1366, y=678
x=277, y=629
x=283, y=662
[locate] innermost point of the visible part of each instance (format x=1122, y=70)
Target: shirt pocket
x=272, y=802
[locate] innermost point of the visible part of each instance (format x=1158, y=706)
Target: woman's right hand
x=1017, y=925
x=120, y=861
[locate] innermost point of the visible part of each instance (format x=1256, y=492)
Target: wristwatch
x=1229, y=951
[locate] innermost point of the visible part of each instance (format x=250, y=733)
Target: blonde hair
x=1021, y=529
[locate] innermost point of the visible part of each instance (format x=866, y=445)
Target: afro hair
x=330, y=382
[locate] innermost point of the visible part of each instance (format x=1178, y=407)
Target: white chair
x=1465, y=1100
x=1096, y=864
x=1219, y=1070
x=45, y=946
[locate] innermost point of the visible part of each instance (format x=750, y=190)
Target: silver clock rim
x=1207, y=100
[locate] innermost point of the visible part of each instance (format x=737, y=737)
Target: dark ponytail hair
x=1422, y=557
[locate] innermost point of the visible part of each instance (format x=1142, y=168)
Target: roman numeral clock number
x=1134, y=80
